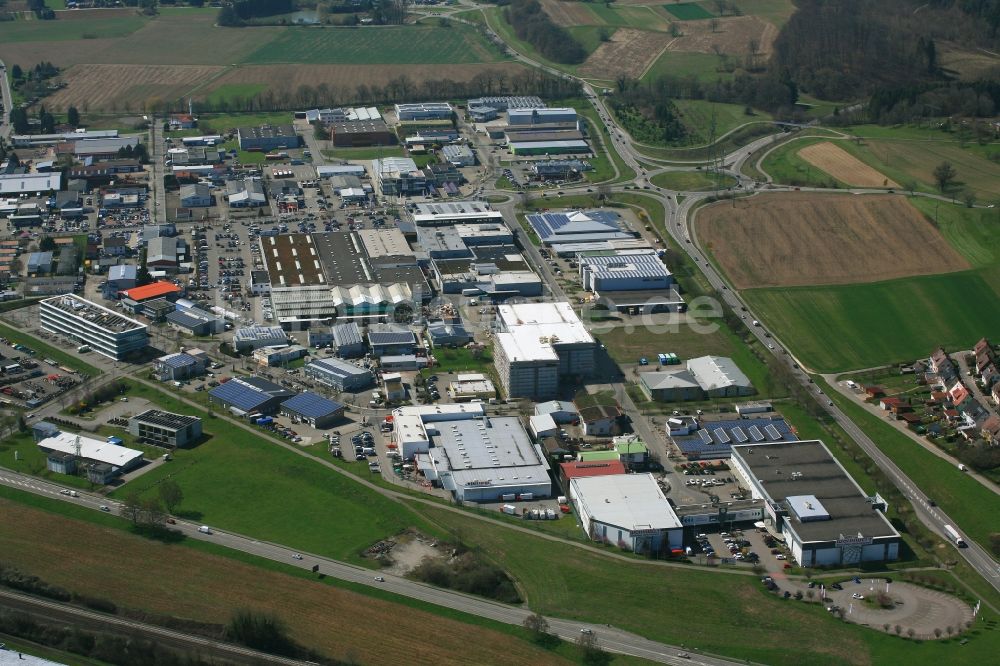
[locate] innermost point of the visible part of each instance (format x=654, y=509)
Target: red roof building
x=154, y=290
x=578, y=470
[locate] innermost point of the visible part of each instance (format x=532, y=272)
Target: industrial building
x=623, y=271
x=165, y=429
x=40, y=263
x=454, y=212
x=303, y=306
x=16, y=184
x=339, y=375
x=245, y=193
x=245, y=395
x=313, y=409
x=196, y=322
x=267, y=137
x=291, y=260
x=498, y=271
x=471, y=386
x=179, y=366
x=536, y=344
x=424, y=111
x=825, y=517
x=460, y=156
x=704, y=377
x=441, y=333
x=249, y=338
x=578, y=227
x=102, y=460
x=196, y=195
x=477, y=458
x=152, y=291
x=398, y=176
x=550, y=147
x=391, y=339
x=270, y=357
x=341, y=114
x=541, y=116
x=559, y=169
x=626, y=510
x=505, y=102
x=104, y=331
x=346, y=340
x=358, y=133
x=715, y=439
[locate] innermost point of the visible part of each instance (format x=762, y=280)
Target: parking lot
x=30, y=380
x=748, y=546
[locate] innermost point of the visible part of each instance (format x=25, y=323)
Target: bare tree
x=713, y=23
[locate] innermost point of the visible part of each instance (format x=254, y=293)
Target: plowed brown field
x=732, y=36
x=629, y=52
x=843, y=166
x=569, y=14
x=183, y=582
x=127, y=87
x=774, y=240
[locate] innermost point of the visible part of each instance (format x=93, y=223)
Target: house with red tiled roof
x=874, y=391
x=982, y=346
x=991, y=430
x=888, y=404
x=912, y=418
x=996, y=394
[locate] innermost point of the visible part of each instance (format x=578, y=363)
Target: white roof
x=91, y=449
x=30, y=182
x=668, y=379
x=716, y=372
x=630, y=501
x=542, y=423
x=533, y=331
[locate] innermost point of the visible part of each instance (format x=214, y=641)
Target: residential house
x=600, y=420
x=996, y=394
x=982, y=346
x=991, y=430
x=887, y=404
x=874, y=391
x=942, y=365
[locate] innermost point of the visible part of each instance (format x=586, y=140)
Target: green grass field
x=973, y=232
x=589, y=36
x=68, y=31
x=702, y=66
x=222, y=122
x=785, y=166
x=377, y=46
x=45, y=350
x=839, y=328
x=688, y=11
x=626, y=16
x=697, y=116
x=230, y=91
x=294, y=500
x=693, y=181
x=459, y=360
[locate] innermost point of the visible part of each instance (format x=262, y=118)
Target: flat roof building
x=541, y=116
x=93, y=451
x=384, y=242
x=267, y=137
x=632, y=271
x=398, y=176
x=291, y=260
x=538, y=343
x=550, y=147
x=471, y=386
x=479, y=459
x=16, y=184
x=179, y=366
x=253, y=337
x=161, y=428
x=461, y=156
x=626, y=510
x=455, y=212
x=715, y=439
x=104, y=331
x=825, y=517
x=339, y=375
x=424, y=111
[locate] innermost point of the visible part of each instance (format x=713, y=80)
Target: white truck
x=955, y=537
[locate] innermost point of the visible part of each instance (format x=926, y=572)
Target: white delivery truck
x=205, y=529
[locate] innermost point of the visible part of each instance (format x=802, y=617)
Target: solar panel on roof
x=739, y=435
x=706, y=437
x=757, y=435
x=311, y=405
x=772, y=432
x=721, y=435
x=239, y=395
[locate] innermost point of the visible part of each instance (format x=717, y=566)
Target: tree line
x=239, y=12
x=533, y=25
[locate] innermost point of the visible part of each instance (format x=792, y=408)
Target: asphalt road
x=8, y=102
x=609, y=638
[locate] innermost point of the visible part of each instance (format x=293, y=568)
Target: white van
x=205, y=529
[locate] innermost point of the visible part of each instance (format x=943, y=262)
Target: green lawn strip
x=460, y=360
x=973, y=506
x=688, y=11
x=697, y=115
x=704, y=67
x=671, y=605
x=245, y=156
x=844, y=327
x=220, y=123
x=373, y=153
x=973, y=232
x=230, y=91
x=45, y=350
x=235, y=469
x=385, y=45
x=737, y=139
x=693, y=181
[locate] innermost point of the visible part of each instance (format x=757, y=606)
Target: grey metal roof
x=390, y=334
x=336, y=367
x=345, y=335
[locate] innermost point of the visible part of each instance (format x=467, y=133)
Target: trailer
x=955, y=537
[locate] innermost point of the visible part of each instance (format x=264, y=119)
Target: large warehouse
x=267, y=137
x=477, y=458
x=102, y=459
x=313, y=409
x=626, y=510
x=538, y=343
x=104, y=331
x=824, y=515
x=339, y=375
x=424, y=111
x=704, y=377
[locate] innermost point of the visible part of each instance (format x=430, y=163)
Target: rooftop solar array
x=715, y=439
x=772, y=432
x=178, y=360
x=739, y=435
x=721, y=436
x=244, y=395
x=311, y=405
x=757, y=435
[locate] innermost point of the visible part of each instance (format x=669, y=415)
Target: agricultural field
x=688, y=11
x=846, y=327
x=62, y=30
x=784, y=165
x=822, y=239
x=229, y=92
x=570, y=13
x=207, y=587
x=834, y=160
x=732, y=36
x=693, y=181
x=128, y=87
x=630, y=52
x=973, y=232
x=698, y=115
x=378, y=46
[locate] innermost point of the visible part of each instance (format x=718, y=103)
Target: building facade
x=104, y=331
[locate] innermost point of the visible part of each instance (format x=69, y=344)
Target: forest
x=533, y=25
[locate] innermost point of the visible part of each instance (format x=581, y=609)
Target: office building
x=106, y=332
x=180, y=366
x=424, y=111
x=165, y=429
